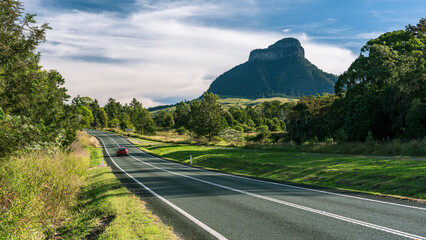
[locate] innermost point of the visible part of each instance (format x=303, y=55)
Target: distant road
x=202, y=204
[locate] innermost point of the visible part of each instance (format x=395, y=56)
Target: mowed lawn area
x=378, y=175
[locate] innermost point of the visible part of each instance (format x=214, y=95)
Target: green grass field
x=399, y=177
x=242, y=102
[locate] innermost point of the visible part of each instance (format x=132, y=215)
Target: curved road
x=202, y=204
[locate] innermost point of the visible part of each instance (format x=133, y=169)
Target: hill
x=281, y=70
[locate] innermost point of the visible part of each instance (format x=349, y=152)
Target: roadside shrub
x=18, y=133
x=239, y=128
x=113, y=123
x=232, y=135
x=262, y=128
x=369, y=139
x=279, y=137
x=341, y=136
x=263, y=135
x=182, y=131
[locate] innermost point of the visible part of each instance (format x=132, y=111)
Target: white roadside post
x=102, y=161
x=190, y=158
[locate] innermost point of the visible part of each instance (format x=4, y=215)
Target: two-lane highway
x=231, y=207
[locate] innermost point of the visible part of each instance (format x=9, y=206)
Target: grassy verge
x=391, y=148
x=68, y=196
x=399, y=177
x=107, y=210
x=36, y=191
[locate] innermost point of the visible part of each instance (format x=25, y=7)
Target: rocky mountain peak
x=286, y=47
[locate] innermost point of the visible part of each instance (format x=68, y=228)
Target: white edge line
x=291, y=186
x=324, y=213
x=187, y=215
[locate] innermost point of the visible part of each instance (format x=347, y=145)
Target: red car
x=122, y=151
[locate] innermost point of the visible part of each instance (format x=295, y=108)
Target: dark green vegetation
x=384, y=92
x=402, y=177
x=279, y=70
x=33, y=114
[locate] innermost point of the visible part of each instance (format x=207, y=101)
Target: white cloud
x=158, y=54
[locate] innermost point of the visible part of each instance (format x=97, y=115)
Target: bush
x=262, y=128
x=113, y=123
x=341, y=136
x=231, y=135
x=264, y=133
x=239, y=128
x=181, y=131
x=369, y=140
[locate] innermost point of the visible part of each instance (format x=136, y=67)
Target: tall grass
x=390, y=148
x=36, y=191
x=394, y=147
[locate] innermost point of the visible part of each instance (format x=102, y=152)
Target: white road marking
x=181, y=211
x=324, y=213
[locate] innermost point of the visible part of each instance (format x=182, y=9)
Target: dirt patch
x=100, y=227
x=94, y=141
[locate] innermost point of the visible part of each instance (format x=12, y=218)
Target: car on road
x=122, y=151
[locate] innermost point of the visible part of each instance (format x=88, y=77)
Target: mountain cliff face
x=279, y=70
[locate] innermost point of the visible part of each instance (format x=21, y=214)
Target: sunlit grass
x=108, y=210
x=402, y=177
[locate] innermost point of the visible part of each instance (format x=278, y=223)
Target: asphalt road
x=202, y=204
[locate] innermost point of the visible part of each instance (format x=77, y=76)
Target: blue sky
x=162, y=52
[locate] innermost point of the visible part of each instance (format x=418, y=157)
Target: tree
x=416, y=120
x=144, y=123
x=103, y=118
x=181, y=115
x=29, y=95
x=113, y=123
x=112, y=108
x=206, y=116
x=164, y=119
x=19, y=36
x=392, y=69
x=85, y=117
